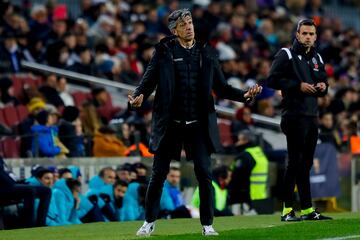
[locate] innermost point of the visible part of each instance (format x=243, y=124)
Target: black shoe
x=290, y=217
x=315, y=215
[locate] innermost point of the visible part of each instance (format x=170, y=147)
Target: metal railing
x=272, y=122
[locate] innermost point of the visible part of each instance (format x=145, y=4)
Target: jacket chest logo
x=178, y=59
x=300, y=57
x=316, y=65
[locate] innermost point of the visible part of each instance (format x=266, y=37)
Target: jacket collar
x=298, y=48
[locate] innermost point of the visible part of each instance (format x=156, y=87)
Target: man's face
x=119, y=191
x=47, y=179
x=109, y=177
x=306, y=35
x=124, y=175
x=173, y=177
x=185, y=29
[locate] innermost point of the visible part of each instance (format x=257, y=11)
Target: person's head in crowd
x=125, y=131
x=100, y=95
x=51, y=80
x=106, y=23
x=90, y=119
x=84, y=55
x=42, y=118
x=65, y=173
x=60, y=27
x=141, y=172
x=10, y=41
x=6, y=89
x=35, y=105
x=70, y=40
x=75, y=172
x=54, y=114
x=174, y=176
x=45, y=176
x=123, y=172
x=244, y=115
x=62, y=84
x=39, y=13
x=245, y=138
x=55, y=172
x=120, y=188
x=6, y=8
x=222, y=176
x=108, y=175
x=306, y=33
x=326, y=120
x=74, y=186
x=70, y=113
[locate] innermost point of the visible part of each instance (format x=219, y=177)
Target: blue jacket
x=95, y=184
x=43, y=140
x=171, y=197
x=85, y=204
x=52, y=218
x=131, y=209
x=65, y=203
x=109, y=190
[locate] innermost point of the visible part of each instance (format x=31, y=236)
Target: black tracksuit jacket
x=291, y=67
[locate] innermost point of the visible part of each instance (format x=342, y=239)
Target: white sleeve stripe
x=320, y=59
x=288, y=52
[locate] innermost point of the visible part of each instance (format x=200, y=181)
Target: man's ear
x=297, y=35
x=173, y=31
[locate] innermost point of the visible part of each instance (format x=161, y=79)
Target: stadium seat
x=80, y=97
x=22, y=112
x=11, y=116
x=2, y=119
x=225, y=132
x=10, y=147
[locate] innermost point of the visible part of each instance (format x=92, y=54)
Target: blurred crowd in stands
x=41, y=117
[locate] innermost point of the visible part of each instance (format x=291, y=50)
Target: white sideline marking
x=341, y=238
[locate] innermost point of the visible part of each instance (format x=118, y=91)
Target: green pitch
x=345, y=226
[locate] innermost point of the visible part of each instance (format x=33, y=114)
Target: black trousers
x=301, y=136
x=28, y=194
x=196, y=146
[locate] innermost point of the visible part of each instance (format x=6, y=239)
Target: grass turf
x=241, y=227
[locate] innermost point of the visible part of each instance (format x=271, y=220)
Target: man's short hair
x=105, y=169
x=176, y=16
x=305, y=22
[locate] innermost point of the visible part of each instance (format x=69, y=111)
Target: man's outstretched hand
x=252, y=92
x=137, y=101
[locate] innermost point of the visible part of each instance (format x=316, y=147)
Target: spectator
x=133, y=203
x=172, y=199
x=7, y=93
x=85, y=65
x=113, y=196
x=35, y=105
x=64, y=94
x=45, y=143
x=123, y=172
x=327, y=133
x=249, y=174
x=222, y=177
x=72, y=139
x=66, y=194
x=106, y=144
x=10, y=54
x=49, y=91
x=65, y=173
